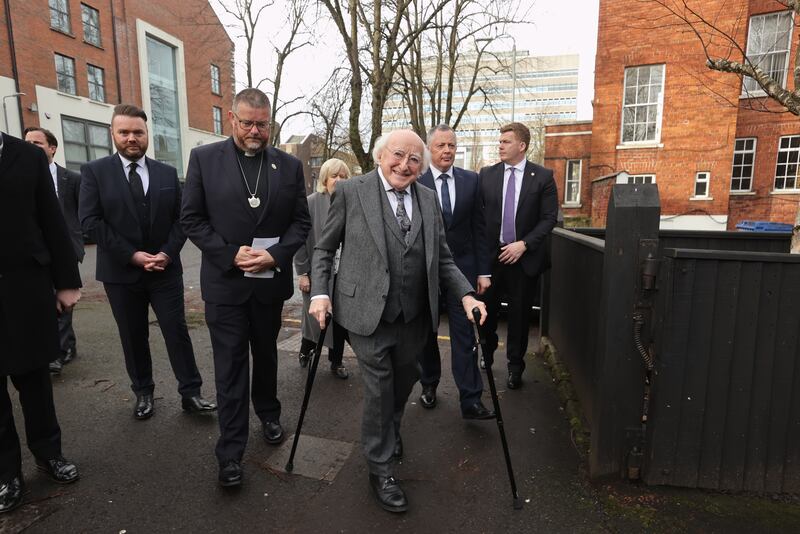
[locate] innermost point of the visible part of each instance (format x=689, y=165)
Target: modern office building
x=75, y=60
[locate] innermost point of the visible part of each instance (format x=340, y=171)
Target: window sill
x=701, y=198
x=571, y=205
x=62, y=32
x=742, y=193
x=633, y=146
x=785, y=192
x=100, y=47
x=99, y=103
x=70, y=95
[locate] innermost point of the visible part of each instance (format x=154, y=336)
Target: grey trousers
x=389, y=368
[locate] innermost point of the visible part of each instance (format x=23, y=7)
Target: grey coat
x=318, y=204
x=355, y=219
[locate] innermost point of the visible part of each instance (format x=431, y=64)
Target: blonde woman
x=331, y=172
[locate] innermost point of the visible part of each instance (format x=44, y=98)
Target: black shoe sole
x=230, y=483
x=12, y=508
x=427, y=405
x=276, y=441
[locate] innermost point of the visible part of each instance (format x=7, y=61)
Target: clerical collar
x=248, y=154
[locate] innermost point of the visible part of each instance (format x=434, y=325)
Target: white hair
x=380, y=144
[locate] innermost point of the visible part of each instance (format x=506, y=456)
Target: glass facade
x=164, y=114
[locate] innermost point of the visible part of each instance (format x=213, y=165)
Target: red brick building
x=719, y=150
x=75, y=60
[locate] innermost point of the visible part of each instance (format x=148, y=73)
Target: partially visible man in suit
x=394, y=255
x=245, y=208
x=38, y=279
x=67, y=184
x=130, y=205
x=520, y=206
x=462, y=213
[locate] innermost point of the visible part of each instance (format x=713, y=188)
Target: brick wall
x=564, y=142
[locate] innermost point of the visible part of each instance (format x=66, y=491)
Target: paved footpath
x=159, y=475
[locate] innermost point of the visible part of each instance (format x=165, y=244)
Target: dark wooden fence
x=721, y=321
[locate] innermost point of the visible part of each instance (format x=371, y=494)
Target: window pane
x=99, y=135
x=74, y=152
x=73, y=130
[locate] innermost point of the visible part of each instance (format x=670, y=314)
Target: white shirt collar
x=52, y=167
x=520, y=167
x=127, y=162
x=436, y=172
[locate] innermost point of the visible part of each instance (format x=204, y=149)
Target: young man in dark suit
x=462, y=213
x=38, y=279
x=245, y=208
x=521, y=207
x=129, y=205
x=67, y=184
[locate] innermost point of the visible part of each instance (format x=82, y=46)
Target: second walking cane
x=488, y=358
x=312, y=371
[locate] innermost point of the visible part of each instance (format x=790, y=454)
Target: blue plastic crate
x=764, y=226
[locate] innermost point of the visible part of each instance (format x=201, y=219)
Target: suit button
x=383, y=297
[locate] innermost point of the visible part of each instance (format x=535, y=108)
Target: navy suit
x=69, y=183
x=109, y=215
x=466, y=237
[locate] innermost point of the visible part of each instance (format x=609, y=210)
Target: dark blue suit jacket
x=109, y=216
x=466, y=235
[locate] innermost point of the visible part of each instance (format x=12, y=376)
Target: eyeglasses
x=262, y=126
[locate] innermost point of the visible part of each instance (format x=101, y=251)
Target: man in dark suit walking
x=462, y=213
x=245, y=208
x=520, y=206
x=130, y=205
x=394, y=255
x=67, y=184
x=38, y=279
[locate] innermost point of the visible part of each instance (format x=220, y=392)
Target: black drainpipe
x=116, y=52
x=14, y=72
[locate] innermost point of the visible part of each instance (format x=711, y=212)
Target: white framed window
x=572, y=182
x=97, y=83
x=642, y=104
x=65, y=74
x=744, y=156
x=624, y=178
x=59, y=15
x=768, y=43
x=216, y=113
x=787, y=166
x=702, y=183
x=215, y=85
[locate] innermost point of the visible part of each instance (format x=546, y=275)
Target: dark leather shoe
x=428, y=397
x=340, y=371
x=398, y=448
x=273, y=432
x=68, y=356
x=304, y=358
x=477, y=411
x=197, y=404
x=230, y=474
x=59, y=469
x=55, y=367
x=389, y=493
x=482, y=362
x=514, y=380
x=144, y=406
x=10, y=494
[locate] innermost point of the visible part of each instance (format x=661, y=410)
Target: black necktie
x=447, y=209
x=135, y=181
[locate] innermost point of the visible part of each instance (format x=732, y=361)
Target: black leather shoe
x=340, y=371
x=144, y=406
x=514, y=379
x=69, y=355
x=55, y=367
x=197, y=404
x=10, y=494
x=398, y=448
x=477, y=411
x=389, y=493
x=428, y=397
x=304, y=358
x=230, y=474
x=59, y=469
x=482, y=362
x=273, y=432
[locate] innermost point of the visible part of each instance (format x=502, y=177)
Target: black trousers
x=130, y=304
x=236, y=331
x=335, y=353
x=519, y=289
x=66, y=334
x=41, y=425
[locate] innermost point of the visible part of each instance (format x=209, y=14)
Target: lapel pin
x=274, y=167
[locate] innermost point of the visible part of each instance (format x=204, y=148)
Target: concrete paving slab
x=316, y=457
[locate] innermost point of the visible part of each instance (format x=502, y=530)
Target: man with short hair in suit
x=462, y=214
x=129, y=205
x=38, y=278
x=520, y=207
x=245, y=208
x=67, y=184
x=394, y=256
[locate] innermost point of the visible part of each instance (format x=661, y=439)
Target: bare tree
x=329, y=114
x=725, y=51
x=247, y=14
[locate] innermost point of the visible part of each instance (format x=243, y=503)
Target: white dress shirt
x=519, y=173
x=141, y=170
x=393, y=198
x=451, y=186
x=54, y=174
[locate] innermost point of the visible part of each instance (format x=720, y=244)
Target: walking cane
x=489, y=359
x=309, y=384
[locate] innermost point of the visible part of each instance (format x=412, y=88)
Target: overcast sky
x=557, y=27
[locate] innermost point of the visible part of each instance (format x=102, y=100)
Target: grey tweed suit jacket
x=356, y=220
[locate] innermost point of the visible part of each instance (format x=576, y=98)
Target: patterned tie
x=135, y=181
x=447, y=210
x=509, y=231
x=402, y=216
